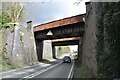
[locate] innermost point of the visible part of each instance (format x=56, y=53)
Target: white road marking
x=45, y=65
x=71, y=71
x=17, y=73
x=6, y=76
x=40, y=72
x=30, y=70
x=23, y=68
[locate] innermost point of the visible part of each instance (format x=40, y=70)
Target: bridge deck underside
x=67, y=31
x=65, y=43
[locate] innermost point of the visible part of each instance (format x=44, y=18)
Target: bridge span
x=67, y=31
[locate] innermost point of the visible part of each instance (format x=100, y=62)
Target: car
x=66, y=59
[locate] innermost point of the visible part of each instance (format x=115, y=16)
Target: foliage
x=21, y=37
x=12, y=12
x=5, y=63
x=4, y=53
x=10, y=25
x=108, y=47
x=62, y=50
x=111, y=62
x=80, y=71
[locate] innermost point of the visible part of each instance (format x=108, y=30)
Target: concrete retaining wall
x=101, y=40
x=20, y=45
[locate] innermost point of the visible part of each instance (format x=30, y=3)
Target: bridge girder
x=72, y=30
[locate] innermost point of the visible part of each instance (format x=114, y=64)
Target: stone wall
x=101, y=39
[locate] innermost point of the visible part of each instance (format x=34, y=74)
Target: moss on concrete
x=80, y=71
x=108, y=45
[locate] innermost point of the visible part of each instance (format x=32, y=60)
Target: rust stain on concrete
x=66, y=39
x=61, y=22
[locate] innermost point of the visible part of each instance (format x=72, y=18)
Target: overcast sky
x=50, y=10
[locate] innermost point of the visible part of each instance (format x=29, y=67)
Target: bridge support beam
x=39, y=49
x=54, y=52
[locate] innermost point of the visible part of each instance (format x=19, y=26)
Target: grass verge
x=80, y=71
x=8, y=67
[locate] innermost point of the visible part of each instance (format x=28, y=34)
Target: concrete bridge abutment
x=47, y=49
x=100, y=52
x=39, y=49
x=54, y=52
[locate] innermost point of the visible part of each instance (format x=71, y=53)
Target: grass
x=80, y=71
x=8, y=67
x=5, y=67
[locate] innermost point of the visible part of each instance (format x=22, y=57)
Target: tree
x=62, y=50
x=12, y=12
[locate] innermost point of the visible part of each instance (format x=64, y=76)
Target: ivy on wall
x=113, y=31
x=9, y=25
x=5, y=59
x=108, y=47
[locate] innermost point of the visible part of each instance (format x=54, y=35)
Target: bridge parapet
x=61, y=22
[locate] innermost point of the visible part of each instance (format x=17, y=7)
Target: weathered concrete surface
x=54, y=56
x=47, y=49
x=101, y=40
x=17, y=47
x=39, y=49
x=89, y=41
x=29, y=45
x=20, y=45
x=80, y=49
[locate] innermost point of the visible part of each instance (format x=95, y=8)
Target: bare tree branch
x=77, y=3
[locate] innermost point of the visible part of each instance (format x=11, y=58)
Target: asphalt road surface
x=61, y=71
x=55, y=70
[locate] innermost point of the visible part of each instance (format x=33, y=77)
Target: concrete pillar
x=16, y=46
x=30, y=25
x=53, y=52
x=47, y=49
x=39, y=48
x=29, y=35
x=90, y=40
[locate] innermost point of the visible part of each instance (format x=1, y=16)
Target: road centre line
x=71, y=71
x=39, y=72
